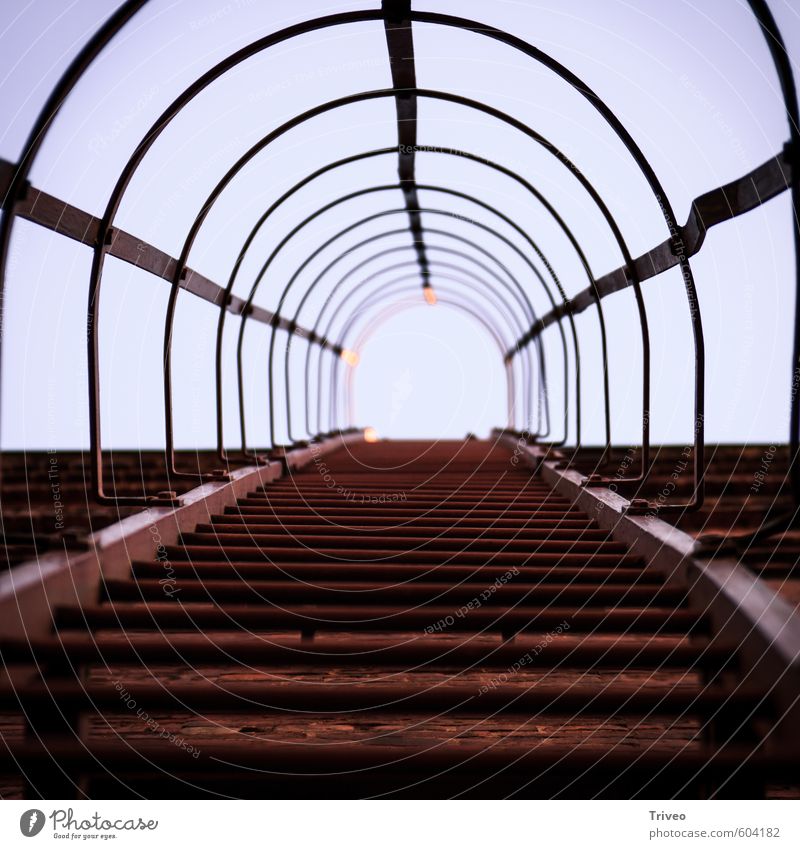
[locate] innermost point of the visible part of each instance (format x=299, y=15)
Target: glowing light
x=350, y=357
x=370, y=435
x=430, y=295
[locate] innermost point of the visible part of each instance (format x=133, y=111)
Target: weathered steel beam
x=400, y=43
x=724, y=203
x=60, y=217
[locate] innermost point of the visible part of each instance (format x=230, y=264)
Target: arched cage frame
x=473, y=281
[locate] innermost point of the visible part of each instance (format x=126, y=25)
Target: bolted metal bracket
x=596, y=480
x=638, y=507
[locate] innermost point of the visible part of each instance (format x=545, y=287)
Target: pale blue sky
x=694, y=85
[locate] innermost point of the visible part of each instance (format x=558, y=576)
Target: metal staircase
x=401, y=618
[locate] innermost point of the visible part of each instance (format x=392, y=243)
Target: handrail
x=714, y=207
x=63, y=218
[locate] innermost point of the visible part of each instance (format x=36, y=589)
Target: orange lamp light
x=350, y=357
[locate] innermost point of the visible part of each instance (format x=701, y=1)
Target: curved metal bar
x=463, y=304
x=41, y=126
x=123, y=181
x=520, y=231
x=451, y=235
x=559, y=287
x=524, y=302
x=262, y=219
x=369, y=280
x=458, y=299
x=762, y=12
x=669, y=219
x=438, y=151
x=339, y=20
x=473, y=312
x=783, y=67
x=711, y=543
x=449, y=252
x=321, y=109
x=313, y=285
x=526, y=373
x=365, y=242
x=394, y=187
x=446, y=302
x=495, y=299
x=484, y=269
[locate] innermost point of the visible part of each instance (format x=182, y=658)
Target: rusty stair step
x=369, y=593
x=448, y=545
x=429, y=524
x=498, y=535
x=405, y=651
x=264, y=616
x=391, y=572
x=242, y=553
x=451, y=696
x=343, y=508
